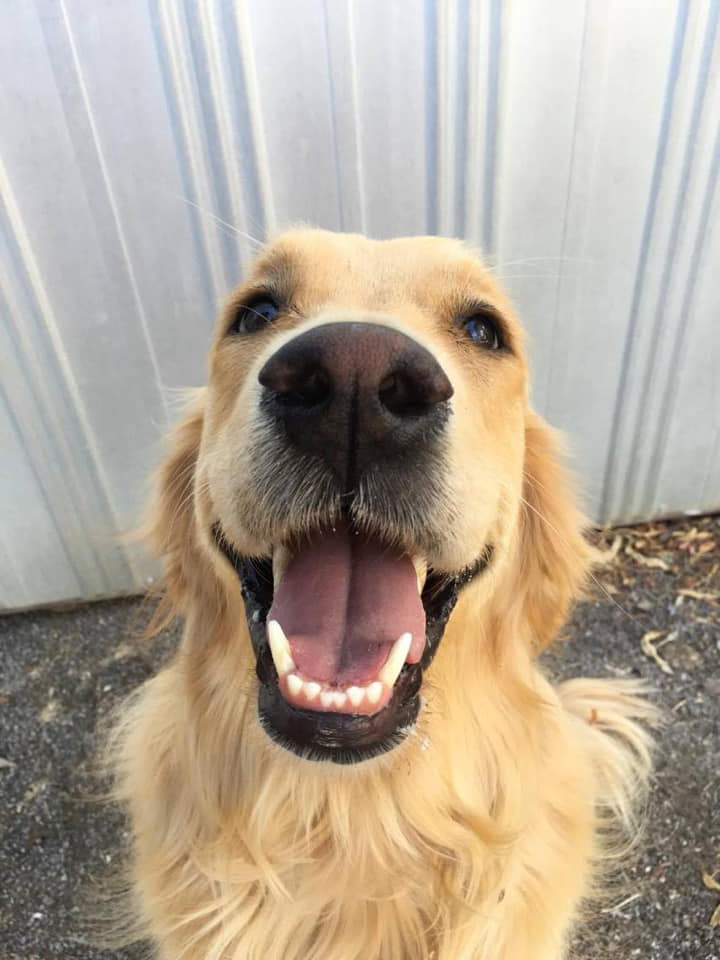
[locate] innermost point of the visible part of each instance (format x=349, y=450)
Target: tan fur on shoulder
x=478, y=837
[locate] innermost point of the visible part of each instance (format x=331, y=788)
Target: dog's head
x=362, y=463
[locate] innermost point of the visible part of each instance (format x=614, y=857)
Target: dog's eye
x=254, y=315
x=483, y=331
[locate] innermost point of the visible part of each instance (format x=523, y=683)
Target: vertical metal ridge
x=239, y=161
x=9, y=600
x=112, y=200
x=445, y=114
x=452, y=115
x=344, y=124
x=608, y=506
x=492, y=123
x=187, y=101
x=333, y=115
x=670, y=388
x=462, y=132
x=431, y=116
x=659, y=321
x=682, y=332
x=211, y=139
x=475, y=146
x=255, y=122
x=83, y=573
x=162, y=44
x=68, y=401
x=204, y=73
x=360, y=169
x=708, y=499
x=568, y=194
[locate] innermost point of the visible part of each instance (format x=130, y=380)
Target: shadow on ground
x=63, y=671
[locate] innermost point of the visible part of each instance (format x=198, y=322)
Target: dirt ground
x=655, y=613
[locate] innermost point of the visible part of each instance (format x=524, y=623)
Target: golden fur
x=479, y=835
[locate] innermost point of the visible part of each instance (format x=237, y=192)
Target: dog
x=354, y=754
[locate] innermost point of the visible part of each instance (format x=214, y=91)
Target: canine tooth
x=396, y=660
x=311, y=689
x=356, y=695
x=374, y=691
x=280, y=648
x=327, y=698
x=339, y=699
x=294, y=683
x=420, y=564
x=281, y=558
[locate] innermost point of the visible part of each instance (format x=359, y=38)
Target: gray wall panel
x=148, y=146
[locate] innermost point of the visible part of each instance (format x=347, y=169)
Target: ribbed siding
x=147, y=147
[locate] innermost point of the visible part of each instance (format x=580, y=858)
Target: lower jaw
x=338, y=737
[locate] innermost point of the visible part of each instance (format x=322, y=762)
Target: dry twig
x=655, y=562
x=699, y=595
x=650, y=650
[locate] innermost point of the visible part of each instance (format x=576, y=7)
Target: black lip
x=340, y=737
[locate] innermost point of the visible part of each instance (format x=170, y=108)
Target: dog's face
x=361, y=463
x=362, y=468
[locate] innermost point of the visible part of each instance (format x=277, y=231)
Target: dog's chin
x=349, y=735
x=344, y=738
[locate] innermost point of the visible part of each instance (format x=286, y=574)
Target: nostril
x=311, y=389
x=388, y=386
x=397, y=394
x=295, y=384
x=413, y=391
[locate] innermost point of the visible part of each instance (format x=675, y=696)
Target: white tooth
x=340, y=700
x=280, y=648
x=356, y=695
x=327, y=698
x=312, y=689
x=420, y=564
x=281, y=558
x=374, y=691
x=396, y=660
x=294, y=683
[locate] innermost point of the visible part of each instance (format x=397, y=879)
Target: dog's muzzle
x=345, y=618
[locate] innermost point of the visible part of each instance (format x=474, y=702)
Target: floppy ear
x=170, y=527
x=552, y=557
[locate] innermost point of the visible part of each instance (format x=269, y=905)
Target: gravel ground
x=62, y=671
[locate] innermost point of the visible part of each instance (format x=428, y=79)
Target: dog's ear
x=551, y=557
x=170, y=528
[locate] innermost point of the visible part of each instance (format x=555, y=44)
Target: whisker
x=523, y=260
x=527, y=276
x=219, y=220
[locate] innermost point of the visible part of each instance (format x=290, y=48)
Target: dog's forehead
x=317, y=265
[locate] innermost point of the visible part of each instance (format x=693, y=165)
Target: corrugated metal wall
x=142, y=140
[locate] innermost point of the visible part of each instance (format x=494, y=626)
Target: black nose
x=356, y=394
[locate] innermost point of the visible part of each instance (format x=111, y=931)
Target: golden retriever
x=354, y=754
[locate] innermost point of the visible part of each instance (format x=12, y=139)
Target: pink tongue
x=343, y=602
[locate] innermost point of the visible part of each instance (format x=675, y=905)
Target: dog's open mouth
x=343, y=627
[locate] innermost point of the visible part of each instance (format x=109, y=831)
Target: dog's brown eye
x=484, y=331
x=252, y=316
